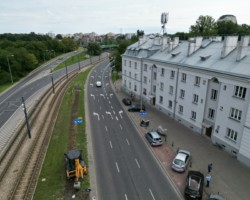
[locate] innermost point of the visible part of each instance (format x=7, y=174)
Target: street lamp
x=26, y=117
x=10, y=68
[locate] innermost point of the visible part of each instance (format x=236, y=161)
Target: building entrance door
x=209, y=131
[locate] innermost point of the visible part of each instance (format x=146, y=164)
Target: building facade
x=202, y=83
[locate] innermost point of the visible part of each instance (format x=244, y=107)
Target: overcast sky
x=117, y=16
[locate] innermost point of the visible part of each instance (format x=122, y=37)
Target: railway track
x=21, y=165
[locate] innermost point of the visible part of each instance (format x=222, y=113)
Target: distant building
x=202, y=83
x=231, y=18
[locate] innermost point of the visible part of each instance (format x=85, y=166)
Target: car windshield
x=194, y=183
x=178, y=162
x=158, y=139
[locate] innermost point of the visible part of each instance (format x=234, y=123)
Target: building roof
x=206, y=57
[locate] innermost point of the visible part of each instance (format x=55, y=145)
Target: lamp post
x=10, y=68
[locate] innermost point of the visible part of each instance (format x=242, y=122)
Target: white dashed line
x=127, y=142
x=117, y=167
x=106, y=128
x=112, y=107
x=151, y=194
x=110, y=144
x=116, y=118
x=126, y=197
x=137, y=163
x=121, y=126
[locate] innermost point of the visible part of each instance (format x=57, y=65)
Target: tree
x=59, y=36
x=227, y=28
x=94, y=49
x=205, y=26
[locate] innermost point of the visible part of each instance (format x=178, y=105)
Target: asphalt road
x=125, y=167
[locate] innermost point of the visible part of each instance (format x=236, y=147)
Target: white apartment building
x=202, y=83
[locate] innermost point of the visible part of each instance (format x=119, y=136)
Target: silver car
x=154, y=138
x=181, y=161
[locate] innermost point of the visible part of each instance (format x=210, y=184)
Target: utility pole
x=26, y=117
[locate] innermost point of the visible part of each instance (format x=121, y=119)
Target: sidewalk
x=230, y=178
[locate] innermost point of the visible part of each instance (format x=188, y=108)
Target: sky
x=116, y=16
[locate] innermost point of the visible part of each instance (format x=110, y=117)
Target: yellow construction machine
x=75, y=166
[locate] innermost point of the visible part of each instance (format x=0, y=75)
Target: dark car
x=153, y=138
x=127, y=101
x=137, y=108
x=194, y=185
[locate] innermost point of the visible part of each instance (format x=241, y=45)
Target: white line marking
x=110, y=145
x=109, y=102
x=112, y=107
x=93, y=96
x=103, y=116
x=127, y=142
x=106, y=128
x=121, y=126
x=120, y=112
x=114, y=112
x=126, y=197
x=151, y=194
x=116, y=118
x=117, y=167
x=109, y=113
x=97, y=115
x=137, y=163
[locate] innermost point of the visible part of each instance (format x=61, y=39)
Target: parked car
x=153, y=138
x=98, y=84
x=216, y=197
x=137, y=108
x=127, y=101
x=181, y=161
x=194, y=185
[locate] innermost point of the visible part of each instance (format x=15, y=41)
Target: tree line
x=22, y=53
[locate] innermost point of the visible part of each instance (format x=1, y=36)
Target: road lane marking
x=127, y=142
x=110, y=144
x=106, y=128
x=103, y=116
x=116, y=118
x=121, y=126
x=137, y=163
x=117, y=167
x=151, y=194
x=114, y=112
x=120, y=112
x=109, y=113
x=96, y=115
x=112, y=107
x=126, y=196
x=92, y=96
x=111, y=95
x=109, y=102
x=91, y=84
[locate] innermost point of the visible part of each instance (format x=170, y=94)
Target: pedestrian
x=208, y=179
x=209, y=167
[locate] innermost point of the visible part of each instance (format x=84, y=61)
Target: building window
x=195, y=99
x=182, y=93
x=172, y=74
x=129, y=85
x=135, y=65
x=183, y=77
x=170, y=104
x=129, y=74
x=161, y=86
x=135, y=88
x=171, y=89
x=211, y=113
x=144, y=91
x=240, y=92
x=235, y=114
x=180, y=109
x=125, y=62
x=162, y=71
x=154, y=88
x=154, y=75
x=161, y=100
x=193, y=115
x=135, y=76
x=145, y=79
x=197, y=81
x=129, y=63
x=232, y=134
x=214, y=94
x=145, y=67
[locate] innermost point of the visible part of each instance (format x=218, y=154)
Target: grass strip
x=52, y=180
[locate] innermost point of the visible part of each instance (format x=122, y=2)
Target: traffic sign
x=143, y=113
x=78, y=121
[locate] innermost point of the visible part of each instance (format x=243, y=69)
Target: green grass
x=53, y=168
x=4, y=87
x=72, y=60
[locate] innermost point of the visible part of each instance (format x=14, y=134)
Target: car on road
x=216, y=197
x=127, y=101
x=98, y=84
x=194, y=185
x=137, y=108
x=181, y=161
x=153, y=138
